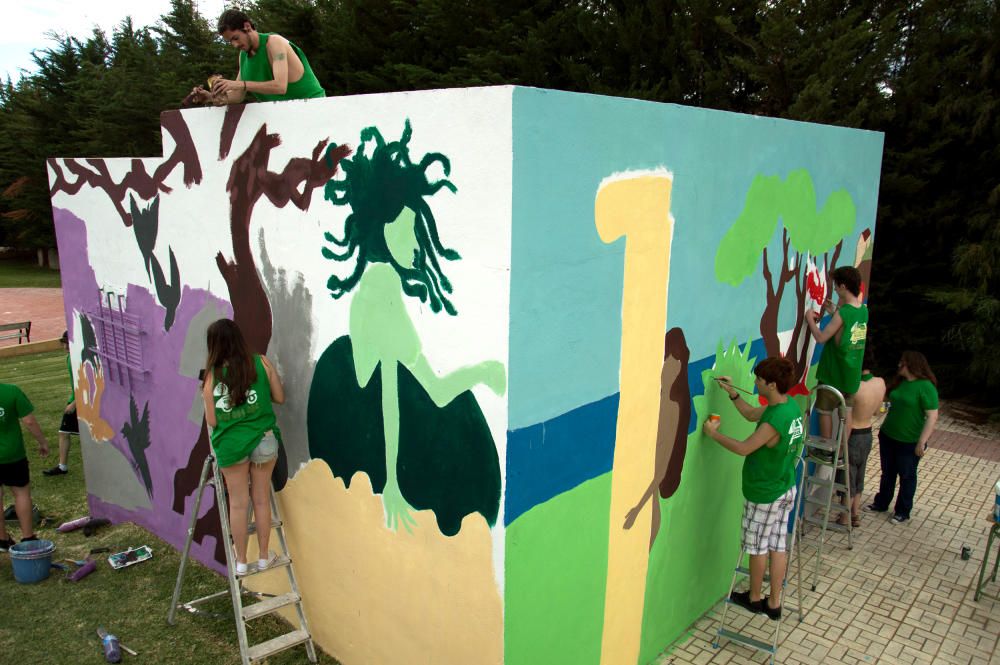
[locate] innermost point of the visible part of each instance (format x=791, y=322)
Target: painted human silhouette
x=376, y=405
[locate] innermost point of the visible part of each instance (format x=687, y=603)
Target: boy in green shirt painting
x=843, y=338
x=771, y=452
x=15, y=408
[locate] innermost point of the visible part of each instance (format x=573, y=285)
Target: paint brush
x=735, y=387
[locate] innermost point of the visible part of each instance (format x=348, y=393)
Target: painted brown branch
x=249, y=180
x=769, y=318
x=98, y=176
x=229, y=124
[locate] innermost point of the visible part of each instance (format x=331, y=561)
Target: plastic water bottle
x=996, y=506
x=112, y=650
x=72, y=525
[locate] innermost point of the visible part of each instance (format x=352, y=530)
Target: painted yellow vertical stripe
x=638, y=208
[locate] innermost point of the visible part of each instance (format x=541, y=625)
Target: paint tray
x=132, y=555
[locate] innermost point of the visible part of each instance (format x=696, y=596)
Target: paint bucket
x=966, y=552
x=32, y=560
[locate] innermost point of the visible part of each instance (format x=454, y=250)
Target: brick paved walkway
x=903, y=595
x=43, y=307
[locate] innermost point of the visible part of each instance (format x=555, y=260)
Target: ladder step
x=838, y=507
x=819, y=443
x=252, y=528
x=282, y=560
x=748, y=641
x=269, y=605
x=825, y=461
x=830, y=525
x=280, y=643
x=825, y=483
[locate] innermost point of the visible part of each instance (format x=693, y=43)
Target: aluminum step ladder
x=828, y=463
x=741, y=571
x=244, y=613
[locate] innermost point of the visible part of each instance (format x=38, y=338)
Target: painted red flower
x=817, y=290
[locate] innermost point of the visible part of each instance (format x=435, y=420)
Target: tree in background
x=922, y=71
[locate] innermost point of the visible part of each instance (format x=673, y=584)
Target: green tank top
x=840, y=363
x=258, y=68
x=238, y=431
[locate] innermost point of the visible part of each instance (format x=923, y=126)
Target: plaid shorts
x=765, y=525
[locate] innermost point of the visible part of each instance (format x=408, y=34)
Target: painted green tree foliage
x=807, y=231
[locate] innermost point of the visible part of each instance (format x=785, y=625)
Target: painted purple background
x=172, y=434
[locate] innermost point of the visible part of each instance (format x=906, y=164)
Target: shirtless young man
x=271, y=68
x=867, y=401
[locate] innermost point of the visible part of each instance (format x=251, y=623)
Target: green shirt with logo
x=908, y=403
x=840, y=362
x=258, y=68
x=769, y=472
x=14, y=405
x=238, y=430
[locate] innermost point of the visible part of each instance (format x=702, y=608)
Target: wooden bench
x=23, y=329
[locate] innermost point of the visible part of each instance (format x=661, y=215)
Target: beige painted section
x=378, y=597
x=636, y=207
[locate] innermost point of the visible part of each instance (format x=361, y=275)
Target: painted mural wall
x=496, y=312
x=363, y=244
x=653, y=246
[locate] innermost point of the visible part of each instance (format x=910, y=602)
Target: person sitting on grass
x=771, y=452
x=15, y=408
x=70, y=425
x=239, y=390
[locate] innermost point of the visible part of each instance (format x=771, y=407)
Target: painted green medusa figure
x=376, y=405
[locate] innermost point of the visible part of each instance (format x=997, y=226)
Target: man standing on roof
x=271, y=67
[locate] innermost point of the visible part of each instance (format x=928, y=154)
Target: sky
x=25, y=24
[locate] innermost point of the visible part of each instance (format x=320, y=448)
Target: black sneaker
x=55, y=471
x=872, y=508
x=29, y=539
x=774, y=614
x=742, y=598
x=6, y=544
x=898, y=519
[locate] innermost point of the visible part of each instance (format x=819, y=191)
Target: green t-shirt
x=258, y=68
x=840, y=363
x=770, y=472
x=14, y=405
x=238, y=431
x=908, y=402
x=69, y=368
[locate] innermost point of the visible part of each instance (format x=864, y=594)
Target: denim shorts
x=266, y=450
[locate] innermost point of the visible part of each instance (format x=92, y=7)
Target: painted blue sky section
x=565, y=309
x=555, y=456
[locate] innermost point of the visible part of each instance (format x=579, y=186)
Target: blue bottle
x=112, y=650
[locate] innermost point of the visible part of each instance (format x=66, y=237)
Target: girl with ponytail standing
x=902, y=440
x=239, y=390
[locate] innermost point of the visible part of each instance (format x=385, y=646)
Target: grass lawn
x=55, y=621
x=23, y=273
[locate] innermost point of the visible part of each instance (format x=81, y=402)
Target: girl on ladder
x=239, y=390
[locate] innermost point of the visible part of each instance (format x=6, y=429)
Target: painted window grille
x=119, y=339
